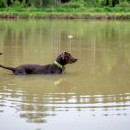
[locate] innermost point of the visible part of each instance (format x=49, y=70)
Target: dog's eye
x=67, y=57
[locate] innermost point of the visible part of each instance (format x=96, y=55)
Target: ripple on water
x=36, y=108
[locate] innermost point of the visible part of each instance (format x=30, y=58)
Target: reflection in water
x=35, y=104
x=96, y=86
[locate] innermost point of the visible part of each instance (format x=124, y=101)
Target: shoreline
x=64, y=15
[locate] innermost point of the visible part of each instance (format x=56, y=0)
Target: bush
x=3, y=4
x=17, y=4
x=73, y=5
x=124, y=4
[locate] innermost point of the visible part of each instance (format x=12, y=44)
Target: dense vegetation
x=41, y=8
x=63, y=3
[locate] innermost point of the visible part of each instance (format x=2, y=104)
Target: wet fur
x=63, y=59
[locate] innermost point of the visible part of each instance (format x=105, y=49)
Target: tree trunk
x=107, y=3
x=41, y=3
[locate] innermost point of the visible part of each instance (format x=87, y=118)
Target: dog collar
x=58, y=64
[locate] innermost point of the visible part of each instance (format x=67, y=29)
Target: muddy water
x=93, y=93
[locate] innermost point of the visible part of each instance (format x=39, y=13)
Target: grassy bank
x=61, y=13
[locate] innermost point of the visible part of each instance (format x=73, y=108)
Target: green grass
x=67, y=13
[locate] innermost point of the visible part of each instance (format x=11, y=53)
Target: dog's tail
x=8, y=68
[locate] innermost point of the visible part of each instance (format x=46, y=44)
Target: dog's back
x=57, y=67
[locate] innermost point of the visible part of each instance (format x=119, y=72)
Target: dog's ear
x=63, y=55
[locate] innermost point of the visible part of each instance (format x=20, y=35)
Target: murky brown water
x=93, y=94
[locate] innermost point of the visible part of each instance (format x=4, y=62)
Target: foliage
x=3, y=3
x=62, y=8
x=74, y=5
x=125, y=3
x=63, y=3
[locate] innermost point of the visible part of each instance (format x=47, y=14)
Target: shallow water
x=93, y=93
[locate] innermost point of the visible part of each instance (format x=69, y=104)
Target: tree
x=9, y=2
x=3, y=3
x=111, y=2
x=115, y=2
x=107, y=2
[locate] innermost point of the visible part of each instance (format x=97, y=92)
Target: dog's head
x=65, y=58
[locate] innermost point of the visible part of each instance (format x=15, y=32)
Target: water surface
x=93, y=93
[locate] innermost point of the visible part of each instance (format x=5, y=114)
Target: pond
x=93, y=93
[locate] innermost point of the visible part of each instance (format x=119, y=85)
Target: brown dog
x=55, y=68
